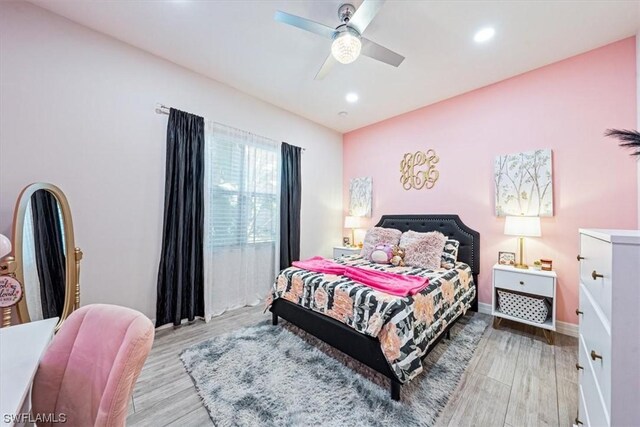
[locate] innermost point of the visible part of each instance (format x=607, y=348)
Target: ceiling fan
x=348, y=42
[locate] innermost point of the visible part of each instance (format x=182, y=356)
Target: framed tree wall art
x=360, y=196
x=524, y=184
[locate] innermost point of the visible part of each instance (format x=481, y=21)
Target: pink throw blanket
x=391, y=283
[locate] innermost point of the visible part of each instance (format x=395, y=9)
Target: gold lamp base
x=521, y=263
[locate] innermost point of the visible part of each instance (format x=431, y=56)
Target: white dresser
x=609, y=316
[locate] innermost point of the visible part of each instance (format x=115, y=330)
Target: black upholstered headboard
x=449, y=225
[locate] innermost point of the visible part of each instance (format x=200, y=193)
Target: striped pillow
x=449, y=254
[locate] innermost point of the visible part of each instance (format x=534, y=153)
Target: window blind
x=241, y=183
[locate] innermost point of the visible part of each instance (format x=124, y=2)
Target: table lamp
x=352, y=222
x=522, y=226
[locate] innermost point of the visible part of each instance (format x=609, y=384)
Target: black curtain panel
x=181, y=271
x=290, y=200
x=49, y=251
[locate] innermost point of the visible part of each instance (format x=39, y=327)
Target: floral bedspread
x=405, y=326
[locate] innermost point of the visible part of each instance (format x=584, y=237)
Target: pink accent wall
x=564, y=106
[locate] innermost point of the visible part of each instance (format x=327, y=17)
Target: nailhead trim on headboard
x=424, y=223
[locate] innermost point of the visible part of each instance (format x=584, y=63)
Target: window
x=241, y=184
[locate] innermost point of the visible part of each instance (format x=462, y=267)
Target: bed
x=390, y=334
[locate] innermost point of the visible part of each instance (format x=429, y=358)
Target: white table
x=529, y=281
x=21, y=348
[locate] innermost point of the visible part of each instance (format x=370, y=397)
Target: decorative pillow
x=382, y=254
x=379, y=236
x=423, y=249
x=450, y=254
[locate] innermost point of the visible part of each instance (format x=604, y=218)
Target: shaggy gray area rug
x=280, y=376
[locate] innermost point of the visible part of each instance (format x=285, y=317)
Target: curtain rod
x=163, y=109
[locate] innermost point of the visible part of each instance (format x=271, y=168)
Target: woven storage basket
x=524, y=306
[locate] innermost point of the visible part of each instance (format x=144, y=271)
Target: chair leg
x=395, y=390
x=274, y=319
x=448, y=336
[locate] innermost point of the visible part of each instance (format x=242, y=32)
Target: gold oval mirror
x=46, y=259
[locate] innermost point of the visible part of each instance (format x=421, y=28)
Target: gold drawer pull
x=580, y=258
x=578, y=367
x=577, y=421
x=595, y=275
x=578, y=312
x=595, y=355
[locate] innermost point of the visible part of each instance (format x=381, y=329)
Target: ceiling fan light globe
x=346, y=47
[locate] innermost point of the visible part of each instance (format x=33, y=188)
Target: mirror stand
x=78, y=254
x=7, y=268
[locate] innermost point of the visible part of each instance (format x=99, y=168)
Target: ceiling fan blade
x=365, y=14
x=326, y=67
x=304, y=24
x=381, y=53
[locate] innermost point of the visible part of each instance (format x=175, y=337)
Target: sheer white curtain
x=240, y=217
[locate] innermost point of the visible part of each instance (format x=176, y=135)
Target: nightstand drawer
x=342, y=252
x=523, y=282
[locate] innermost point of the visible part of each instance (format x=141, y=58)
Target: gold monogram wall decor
x=418, y=170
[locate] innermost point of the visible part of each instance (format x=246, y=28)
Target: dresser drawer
x=596, y=338
x=597, y=258
x=592, y=407
x=582, y=410
x=523, y=282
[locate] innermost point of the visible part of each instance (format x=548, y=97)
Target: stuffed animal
x=382, y=254
x=397, y=256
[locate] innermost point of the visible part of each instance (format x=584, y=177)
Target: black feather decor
x=627, y=138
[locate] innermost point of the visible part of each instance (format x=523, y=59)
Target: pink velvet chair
x=89, y=370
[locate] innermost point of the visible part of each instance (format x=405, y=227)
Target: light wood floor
x=514, y=379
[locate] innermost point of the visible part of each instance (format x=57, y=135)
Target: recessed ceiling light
x=484, y=35
x=351, y=97
x=343, y=114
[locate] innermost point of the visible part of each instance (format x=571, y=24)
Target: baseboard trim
x=483, y=307
x=563, y=328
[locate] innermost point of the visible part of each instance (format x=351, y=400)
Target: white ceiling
x=239, y=43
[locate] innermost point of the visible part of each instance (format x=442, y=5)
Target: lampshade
x=351, y=222
x=5, y=245
x=346, y=47
x=525, y=226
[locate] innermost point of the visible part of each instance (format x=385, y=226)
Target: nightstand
x=525, y=282
x=340, y=251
